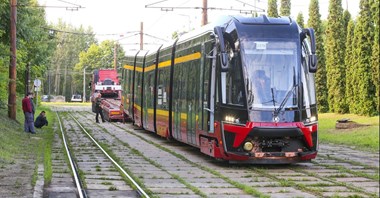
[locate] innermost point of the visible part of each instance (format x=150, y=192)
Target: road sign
x=37, y=82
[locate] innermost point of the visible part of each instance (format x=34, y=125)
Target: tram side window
x=234, y=83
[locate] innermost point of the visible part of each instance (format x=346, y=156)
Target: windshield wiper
x=250, y=97
x=274, y=102
x=283, y=102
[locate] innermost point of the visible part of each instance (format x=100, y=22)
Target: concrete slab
x=115, y=194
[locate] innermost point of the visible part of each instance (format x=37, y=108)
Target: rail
x=139, y=189
x=82, y=193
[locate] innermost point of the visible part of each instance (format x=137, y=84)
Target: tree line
x=54, y=53
x=347, y=80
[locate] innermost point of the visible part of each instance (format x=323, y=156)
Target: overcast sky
x=118, y=17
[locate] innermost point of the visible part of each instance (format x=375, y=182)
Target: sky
x=120, y=19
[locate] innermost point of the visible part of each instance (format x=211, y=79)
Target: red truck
x=106, y=82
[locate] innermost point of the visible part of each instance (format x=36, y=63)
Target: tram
x=241, y=89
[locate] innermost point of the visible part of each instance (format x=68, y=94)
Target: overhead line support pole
x=141, y=36
x=84, y=85
x=204, y=13
x=12, y=66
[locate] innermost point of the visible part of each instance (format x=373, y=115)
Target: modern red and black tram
x=241, y=89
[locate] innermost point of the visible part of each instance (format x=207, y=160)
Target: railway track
x=95, y=172
x=171, y=169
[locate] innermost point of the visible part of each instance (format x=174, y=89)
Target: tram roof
x=222, y=21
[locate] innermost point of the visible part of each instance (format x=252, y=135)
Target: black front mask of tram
x=267, y=77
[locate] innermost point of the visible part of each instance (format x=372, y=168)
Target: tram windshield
x=270, y=73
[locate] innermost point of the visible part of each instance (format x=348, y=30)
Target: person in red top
x=27, y=108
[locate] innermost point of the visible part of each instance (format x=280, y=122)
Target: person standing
x=28, y=109
x=41, y=120
x=98, y=108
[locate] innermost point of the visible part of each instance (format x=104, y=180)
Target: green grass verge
x=365, y=138
x=47, y=134
x=17, y=145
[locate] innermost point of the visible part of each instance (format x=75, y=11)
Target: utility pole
x=141, y=36
x=204, y=13
x=12, y=66
x=84, y=84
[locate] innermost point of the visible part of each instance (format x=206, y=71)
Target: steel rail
x=139, y=189
x=81, y=192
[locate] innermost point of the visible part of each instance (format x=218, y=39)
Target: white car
x=76, y=98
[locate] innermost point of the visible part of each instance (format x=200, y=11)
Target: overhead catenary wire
x=82, y=33
x=70, y=3
x=245, y=3
x=171, y=8
x=73, y=7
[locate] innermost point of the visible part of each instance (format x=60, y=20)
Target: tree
x=70, y=42
x=285, y=8
x=375, y=52
x=272, y=8
x=300, y=20
x=348, y=61
x=346, y=20
x=99, y=56
x=4, y=52
x=363, y=39
x=33, y=43
x=335, y=69
x=320, y=77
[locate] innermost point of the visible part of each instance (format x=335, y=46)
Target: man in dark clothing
x=98, y=108
x=28, y=109
x=41, y=120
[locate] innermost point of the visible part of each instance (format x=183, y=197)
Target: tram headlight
x=230, y=119
x=248, y=146
x=311, y=119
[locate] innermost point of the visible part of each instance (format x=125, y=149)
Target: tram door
x=179, y=102
x=193, y=81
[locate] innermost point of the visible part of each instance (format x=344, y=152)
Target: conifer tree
x=375, y=52
x=349, y=62
x=272, y=8
x=300, y=20
x=320, y=77
x=335, y=57
x=365, y=91
x=285, y=8
x=346, y=19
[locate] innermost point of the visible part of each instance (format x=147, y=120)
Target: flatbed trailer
x=111, y=109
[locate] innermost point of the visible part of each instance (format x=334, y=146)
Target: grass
x=15, y=142
x=365, y=138
x=47, y=143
